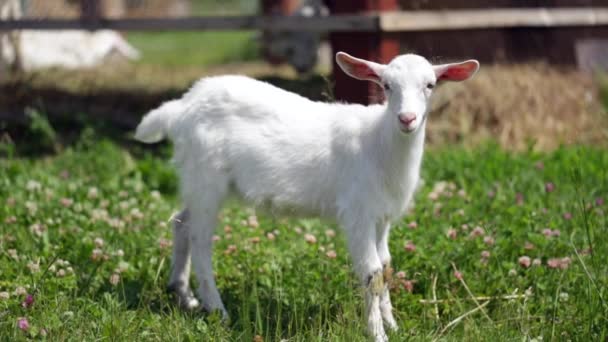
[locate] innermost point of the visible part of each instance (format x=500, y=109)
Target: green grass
x=287, y=288
x=173, y=49
x=199, y=48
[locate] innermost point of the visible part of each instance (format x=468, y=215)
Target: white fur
x=356, y=164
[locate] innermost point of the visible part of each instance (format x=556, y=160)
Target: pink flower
x=114, y=279
x=331, y=254
x=230, y=250
x=519, y=198
x=488, y=240
x=28, y=302
x=23, y=323
x=539, y=165
x=477, y=231
x=565, y=263
x=66, y=202
x=311, y=239
x=452, y=233
x=408, y=285
x=96, y=254
x=458, y=275
x=524, y=261
x=491, y=193
x=549, y=187
x=330, y=233
x=270, y=236
x=215, y=238
x=553, y=263
x=485, y=254
x=255, y=239
x=567, y=216
x=400, y=275
x=550, y=233
x=164, y=243
x=599, y=201
x=412, y=225
x=410, y=247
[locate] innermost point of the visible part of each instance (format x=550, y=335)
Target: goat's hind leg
x=179, y=282
x=204, y=208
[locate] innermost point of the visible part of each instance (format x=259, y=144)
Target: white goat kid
x=356, y=164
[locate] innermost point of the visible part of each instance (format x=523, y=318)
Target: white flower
x=155, y=194
x=32, y=185
x=98, y=242
x=20, y=291
x=93, y=193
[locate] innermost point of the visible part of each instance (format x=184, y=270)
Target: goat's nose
x=407, y=118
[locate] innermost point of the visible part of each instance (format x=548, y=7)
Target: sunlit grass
x=203, y=48
x=86, y=234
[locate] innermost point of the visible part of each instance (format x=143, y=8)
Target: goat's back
x=275, y=146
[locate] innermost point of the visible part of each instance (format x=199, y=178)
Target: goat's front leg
x=362, y=245
x=386, y=308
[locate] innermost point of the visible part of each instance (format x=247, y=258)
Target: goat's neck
x=401, y=154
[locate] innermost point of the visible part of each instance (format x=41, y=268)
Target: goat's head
x=408, y=81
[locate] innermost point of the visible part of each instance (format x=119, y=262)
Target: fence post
x=90, y=13
x=376, y=46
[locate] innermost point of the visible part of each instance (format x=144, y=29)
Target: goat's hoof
x=188, y=304
x=391, y=324
x=381, y=338
x=184, y=298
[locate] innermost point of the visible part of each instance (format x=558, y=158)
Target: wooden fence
x=380, y=29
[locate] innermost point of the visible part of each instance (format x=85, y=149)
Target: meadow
x=503, y=244
x=500, y=246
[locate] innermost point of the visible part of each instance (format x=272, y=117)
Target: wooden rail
x=398, y=21
x=350, y=23
x=492, y=18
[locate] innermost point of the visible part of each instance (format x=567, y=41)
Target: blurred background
x=542, y=80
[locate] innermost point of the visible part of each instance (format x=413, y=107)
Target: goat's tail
x=155, y=125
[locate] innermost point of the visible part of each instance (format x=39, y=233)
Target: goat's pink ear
x=456, y=71
x=360, y=68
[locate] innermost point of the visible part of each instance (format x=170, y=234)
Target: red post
x=375, y=46
x=90, y=13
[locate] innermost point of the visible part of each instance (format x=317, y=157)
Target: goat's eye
x=430, y=86
x=386, y=87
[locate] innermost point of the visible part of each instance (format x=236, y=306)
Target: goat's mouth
x=407, y=127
